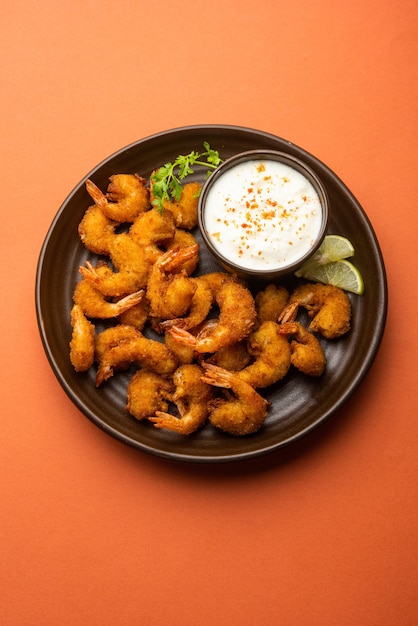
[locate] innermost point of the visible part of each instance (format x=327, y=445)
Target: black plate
x=299, y=403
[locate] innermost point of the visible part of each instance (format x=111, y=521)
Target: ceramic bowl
x=255, y=210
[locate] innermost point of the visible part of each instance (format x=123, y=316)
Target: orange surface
x=93, y=532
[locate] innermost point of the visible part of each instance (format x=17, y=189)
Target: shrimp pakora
x=328, y=306
x=170, y=290
x=97, y=231
x=148, y=393
x=307, y=354
x=95, y=305
x=236, y=319
x=270, y=302
x=127, y=196
x=82, y=340
x=132, y=264
x=242, y=411
x=146, y=352
x=185, y=209
x=192, y=397
x=271, y=353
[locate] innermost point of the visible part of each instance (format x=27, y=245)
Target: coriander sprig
x=166, y=180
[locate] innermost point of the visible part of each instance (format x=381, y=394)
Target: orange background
x=93, y=532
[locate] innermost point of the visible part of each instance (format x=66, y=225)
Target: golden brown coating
x=271, y=353
x=148, y=392
x=192, y=396
x=148, y=353
x=184, y=239
x=111, y=337
x=328, y=306
x=152, y=228
x=185, y=210
x=200, y=306
x=233, y=358
x=270, y=302
x=184, y=354
x=137, y=315
x=236, y=319
x=126, y=198
x=307, y=354
x=132, y=264
x=82, y=340
x=170, y=291
x=97, y=231
x=243, y=411
x=95, y=305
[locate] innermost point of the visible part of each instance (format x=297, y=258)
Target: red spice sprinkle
x=261, y=167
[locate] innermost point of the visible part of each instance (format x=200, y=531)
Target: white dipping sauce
x=262, y=214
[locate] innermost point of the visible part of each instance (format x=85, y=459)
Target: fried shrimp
x=96, y=230
x=270, y=302
x=136, y=316
x=132, y=263
x=170, y=290
x=191, y=397
x=185, y=210
x=148, y=392
x=153, y=228
x=94, y=304
x=307, y=354
x=148, y=353
x=183, y=239
x=207, y=285
x=328, y=306
x=236, y=319
x=126, y=198
x=242, y=411
x=200, y=305
x=82, y=340
x=111, y=337
x=232, y=358
x=184, y=354
x=271, y=353
x=216, y=280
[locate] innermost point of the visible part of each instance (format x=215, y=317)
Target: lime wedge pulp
x=333, y=248
x=342, y=274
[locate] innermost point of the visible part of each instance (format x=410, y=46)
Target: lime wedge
x=342, y=274
x=333, y=248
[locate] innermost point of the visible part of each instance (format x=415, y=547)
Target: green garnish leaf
x=166, y=180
